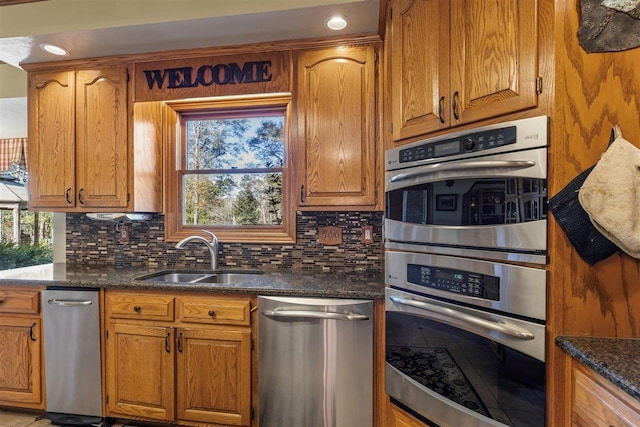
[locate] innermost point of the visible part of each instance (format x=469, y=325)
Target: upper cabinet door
x=419, y=67
x=101, y=140
x=458, y=62
x=336, y=139
x=494, y=58
x=51, y=147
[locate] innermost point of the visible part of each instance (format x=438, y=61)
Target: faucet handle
x=214, y=238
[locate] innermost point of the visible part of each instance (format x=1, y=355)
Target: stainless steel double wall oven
x=466, y=241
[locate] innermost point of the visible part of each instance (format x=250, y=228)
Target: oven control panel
x=468, y=143
x=455, y=281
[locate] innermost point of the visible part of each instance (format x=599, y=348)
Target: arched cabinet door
x=101, y=138
x=335, y=140
x=51, y=144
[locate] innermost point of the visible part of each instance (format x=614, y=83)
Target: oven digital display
x=447, y=148
x=448, y=275
x=455, y=281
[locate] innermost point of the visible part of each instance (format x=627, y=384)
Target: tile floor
x=26, y=419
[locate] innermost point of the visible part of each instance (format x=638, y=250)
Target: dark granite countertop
x=284, y=283
x=616, y=359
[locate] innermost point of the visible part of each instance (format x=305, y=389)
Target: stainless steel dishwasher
x=73, y=374
x=315, y=365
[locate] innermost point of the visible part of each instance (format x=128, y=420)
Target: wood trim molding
x=178, y=54
x=174, y=230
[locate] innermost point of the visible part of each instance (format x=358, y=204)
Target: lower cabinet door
x=214, y=375
x=20, y=362
x=398, y=418
x=140, y=371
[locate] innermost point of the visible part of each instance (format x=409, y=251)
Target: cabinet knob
x=212, y=313
x=1, y=301
x=137, y=308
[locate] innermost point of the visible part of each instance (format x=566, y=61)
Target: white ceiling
x=92, y=28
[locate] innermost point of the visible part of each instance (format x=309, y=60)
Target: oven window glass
x=478, y=201
x=475, y=372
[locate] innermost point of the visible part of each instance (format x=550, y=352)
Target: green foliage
x=12, y=256
x=245, y=209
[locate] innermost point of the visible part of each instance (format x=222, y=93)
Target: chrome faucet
x=211, y=245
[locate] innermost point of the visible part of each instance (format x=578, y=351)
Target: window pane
x=233, y=199
x=256, y=142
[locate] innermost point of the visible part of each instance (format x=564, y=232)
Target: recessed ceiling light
x=337, y=23
x=56, y=50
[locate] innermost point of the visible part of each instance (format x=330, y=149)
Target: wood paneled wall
x=592, y=93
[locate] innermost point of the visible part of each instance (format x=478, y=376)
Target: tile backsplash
x=92, y=242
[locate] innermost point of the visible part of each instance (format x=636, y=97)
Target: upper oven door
x=490, y=202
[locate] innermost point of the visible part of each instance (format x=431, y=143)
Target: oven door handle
x=498, y=326
x=460, y=166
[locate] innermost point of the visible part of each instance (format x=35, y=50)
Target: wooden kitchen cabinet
x=78, y=145
x=446, y=70
x=399, y=418
x=21, y=376
x=335, y=110
x=179, y=358
x=214, y=375
x=140, y=371
x=597, y=402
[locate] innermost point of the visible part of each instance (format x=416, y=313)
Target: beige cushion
x=611, y=195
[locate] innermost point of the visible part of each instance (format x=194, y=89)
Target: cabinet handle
x=31, y=332
x=180, y=342
x=441, y=109
x=455, y=106
x=302, y=194
x=1, y=301
x=67, y=194
x=81, y=196
x=167, y=345
x=137, y=308
x=212, y=313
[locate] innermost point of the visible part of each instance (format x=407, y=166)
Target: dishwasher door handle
x=68, y=302
x=306, y=314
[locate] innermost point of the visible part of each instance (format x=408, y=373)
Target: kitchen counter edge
x=281, y=283
x=613, y=358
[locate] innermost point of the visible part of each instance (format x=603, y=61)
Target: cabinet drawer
x=19, y=301
x=216, y=311
x=140, y=306
x=597, y=402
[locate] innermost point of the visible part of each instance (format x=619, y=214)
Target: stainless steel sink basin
x=227, y=278
x=222, y=277
x=173, y=277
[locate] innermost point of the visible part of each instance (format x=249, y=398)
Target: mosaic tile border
x=91, y=242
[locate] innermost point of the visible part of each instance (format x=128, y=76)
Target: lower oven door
x=455, y=366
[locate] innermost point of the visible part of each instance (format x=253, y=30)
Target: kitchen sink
x=227, y=278
x=173, y=277
x=222, y=277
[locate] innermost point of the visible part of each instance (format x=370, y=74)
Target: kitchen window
x=228, y=169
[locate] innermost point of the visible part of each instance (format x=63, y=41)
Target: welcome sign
x=206, y=75
x=213, y=76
